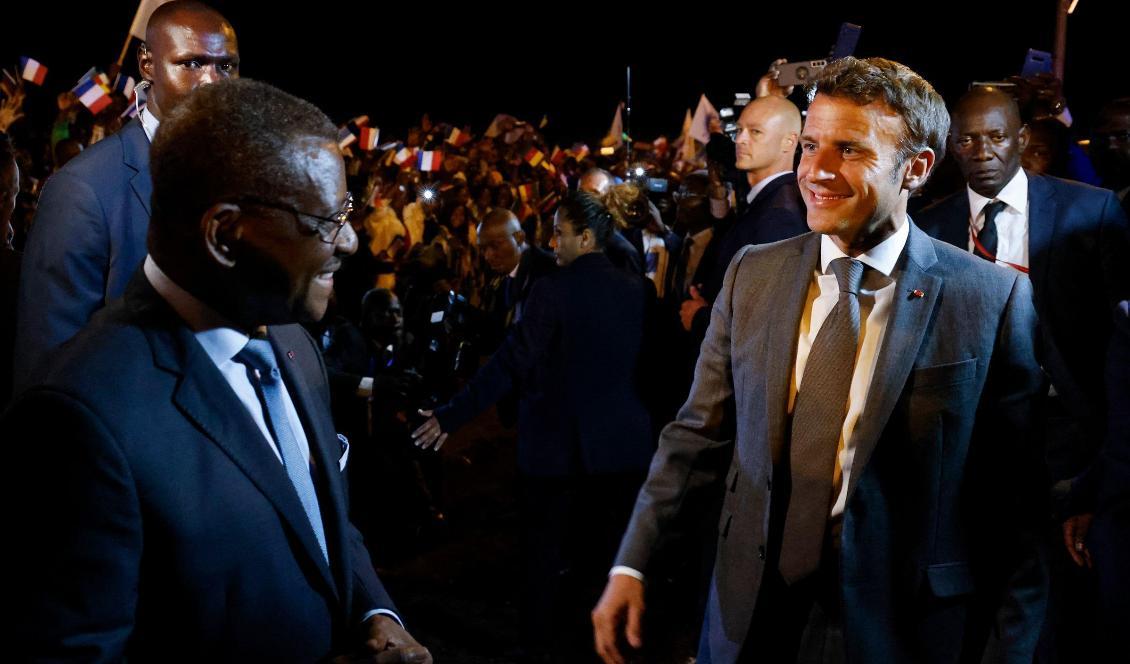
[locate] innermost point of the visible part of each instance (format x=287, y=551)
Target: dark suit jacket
x=575, y=360
x=776, y=213
x=155, y=521
x=1079, y=259
x=623, y=255
x=87, y=239
x=943, y=497
x=534, y=264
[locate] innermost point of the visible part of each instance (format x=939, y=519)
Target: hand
x=622, y=599
x=690, y=308
x=429, y=432
x=767, y=85
x=1044, y=92
x=11, y=109
x=1075, y=530
x=386, y=642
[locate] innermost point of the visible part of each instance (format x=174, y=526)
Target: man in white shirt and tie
x=872, y=391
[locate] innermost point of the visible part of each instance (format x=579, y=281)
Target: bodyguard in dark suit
x=1070, y=238
x=576, y=360
x=516, y=264
x=772, y=210
x=191, y=501
x=879, y=509
x=89, y=232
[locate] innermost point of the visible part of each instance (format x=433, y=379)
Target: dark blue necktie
x=259, y=356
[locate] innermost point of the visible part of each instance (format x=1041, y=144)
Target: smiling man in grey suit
x=873, y=392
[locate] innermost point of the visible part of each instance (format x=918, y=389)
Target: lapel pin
x=290, y=353
x=916, y=294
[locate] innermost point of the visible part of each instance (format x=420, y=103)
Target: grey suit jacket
x=944, y=494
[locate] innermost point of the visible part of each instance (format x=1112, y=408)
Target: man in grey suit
x=872, y=391
x=89, y=232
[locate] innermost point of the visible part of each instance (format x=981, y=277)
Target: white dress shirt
x=874, y=311
x=1011, y=222
x=753, y=192
x=149, y=123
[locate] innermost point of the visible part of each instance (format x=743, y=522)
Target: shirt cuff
x=627, y=571
x=382, y=612
x=1065, y=116
x=365, y=387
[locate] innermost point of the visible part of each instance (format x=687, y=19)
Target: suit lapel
x=291, y=349
x=786, y=306
x=906, y=327
x=135, y=155
x=206, y=400
x=1041, y=228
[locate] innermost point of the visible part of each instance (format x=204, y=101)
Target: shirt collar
x=881, y=257
x=761, y=185
x=149, y=123
x=221, y=341
x=1014, y=194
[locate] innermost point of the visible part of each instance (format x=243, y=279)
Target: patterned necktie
x=988, y=234
x=260, y=357
x=818, y=418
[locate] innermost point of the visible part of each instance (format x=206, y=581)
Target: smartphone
x=1036, y=62
x=846, y=41
x=799, y=73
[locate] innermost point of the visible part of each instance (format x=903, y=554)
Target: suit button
x=761, y=553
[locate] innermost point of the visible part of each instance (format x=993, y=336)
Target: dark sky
x=467, y=63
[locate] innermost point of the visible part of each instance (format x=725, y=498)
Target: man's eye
x=808, y=147
x=191, y=64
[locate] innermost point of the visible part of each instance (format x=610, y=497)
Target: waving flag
x=124, y=84
x=92, y=95
x=370, y=136
x=534, y=156
x=429, y=160
x=32, y=70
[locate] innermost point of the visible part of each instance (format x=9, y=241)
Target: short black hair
x=584, y=210
x=877, y=79
x=229, y=140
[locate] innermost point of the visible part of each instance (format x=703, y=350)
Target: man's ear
x=145, y=61
x=221, y=230
x=918, y=169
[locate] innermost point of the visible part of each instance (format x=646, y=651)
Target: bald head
x=501, y=240
x=767, y=137
x=987, y=138
x=595, y=181
x=187, y=44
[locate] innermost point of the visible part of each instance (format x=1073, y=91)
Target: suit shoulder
x=1071, y=188
x=949, y=208
x=100, y=162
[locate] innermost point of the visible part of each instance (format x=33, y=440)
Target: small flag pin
x=916, y=294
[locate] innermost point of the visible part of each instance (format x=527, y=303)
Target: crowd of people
x=869, y=359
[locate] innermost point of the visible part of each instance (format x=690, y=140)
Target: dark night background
x=464, y=64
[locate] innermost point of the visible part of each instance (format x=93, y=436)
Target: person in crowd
x=578, y=359
x=90, y=229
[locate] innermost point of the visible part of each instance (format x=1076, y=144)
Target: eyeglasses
x=328, y=228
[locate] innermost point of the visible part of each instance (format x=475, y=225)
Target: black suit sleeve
x=528, y=341
x=74, y=510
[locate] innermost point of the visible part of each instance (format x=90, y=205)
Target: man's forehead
x=211, y=37
x=846, y=118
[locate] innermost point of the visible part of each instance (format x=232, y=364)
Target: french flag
x=429, y=160
x=125, y=85
x=92, y=95
x=32, y=70
x=458, y=138
x=369, y=137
